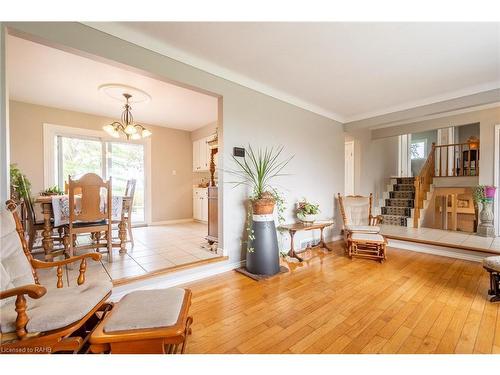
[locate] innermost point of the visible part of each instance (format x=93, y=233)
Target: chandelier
x=127, y=126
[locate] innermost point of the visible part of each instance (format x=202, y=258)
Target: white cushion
x=492, y=263
x=362, y=228
x=146, y=309
x=367, y=237
x=15, y=270
x=58, y=308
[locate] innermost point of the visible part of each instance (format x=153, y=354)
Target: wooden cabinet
x=213, y=216
x=200, y=204
x=201, y=155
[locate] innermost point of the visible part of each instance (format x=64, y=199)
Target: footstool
x=367, y=245
x=492, y=265
x=147, y=322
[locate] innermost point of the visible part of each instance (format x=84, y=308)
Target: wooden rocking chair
x=51, y=319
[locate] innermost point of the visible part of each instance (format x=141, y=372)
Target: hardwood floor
x=413, y=303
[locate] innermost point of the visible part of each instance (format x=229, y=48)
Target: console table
x=298, y=227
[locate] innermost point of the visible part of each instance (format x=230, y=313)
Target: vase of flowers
x=307, y=212
x=484, y=196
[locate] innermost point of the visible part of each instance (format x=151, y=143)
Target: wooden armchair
x=51, y=319
x=357, y=215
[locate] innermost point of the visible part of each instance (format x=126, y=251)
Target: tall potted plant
x=257, y=170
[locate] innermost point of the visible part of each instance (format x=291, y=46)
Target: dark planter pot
x=264, y=259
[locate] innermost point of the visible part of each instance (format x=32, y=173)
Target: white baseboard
x=176, y=278
x=473, y=256
x=167, y=222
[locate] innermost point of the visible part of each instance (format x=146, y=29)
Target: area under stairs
x=397, y=206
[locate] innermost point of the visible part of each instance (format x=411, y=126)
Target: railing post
x=416, y=208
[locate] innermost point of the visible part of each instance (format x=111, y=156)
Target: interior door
x=404, y=159
x=349, y=168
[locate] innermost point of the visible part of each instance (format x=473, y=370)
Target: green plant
x=53, y=190
x=307, y=208
x=256, y=171
x=20, y=184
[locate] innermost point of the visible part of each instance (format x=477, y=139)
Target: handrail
x=464, y=158
x=422, y=184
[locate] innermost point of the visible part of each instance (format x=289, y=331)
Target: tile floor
x=156, y=248
x=443, y=236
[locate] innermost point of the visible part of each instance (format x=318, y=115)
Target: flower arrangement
x=53, y=190
x=483, y=193
x=306, y=211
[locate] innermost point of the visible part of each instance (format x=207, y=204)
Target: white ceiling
x=347, y=71
x=42, y=75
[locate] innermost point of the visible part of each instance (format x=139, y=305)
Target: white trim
x=176, y=278
x=50, y=131
x=496, y=178
x=169, y=222
x=474, y=256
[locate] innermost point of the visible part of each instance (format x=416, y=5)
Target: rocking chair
x=51, y=319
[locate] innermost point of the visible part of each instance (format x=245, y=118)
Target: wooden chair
x=78, y=191
x=357, y=215
x=89, y=215
x=33, y=226
x=127, y=211
x=52, y=319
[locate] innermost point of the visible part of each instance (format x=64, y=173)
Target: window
x=74, y=154
x=418, y=149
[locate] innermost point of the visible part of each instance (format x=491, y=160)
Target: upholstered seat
x=493, y=263
x=368, y=237
x=163, y=309
x=58, y=308
x=362, y=228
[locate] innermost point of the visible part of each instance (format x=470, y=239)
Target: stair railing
x=457, y=159
x=422, y=184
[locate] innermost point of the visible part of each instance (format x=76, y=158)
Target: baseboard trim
x=167, y=222
x=177, y=278
x=473, y=256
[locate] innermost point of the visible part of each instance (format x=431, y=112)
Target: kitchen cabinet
x=200, y=204
x=201, y=155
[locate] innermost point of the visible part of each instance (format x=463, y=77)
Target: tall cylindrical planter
x=264, y=259
x=486, y=217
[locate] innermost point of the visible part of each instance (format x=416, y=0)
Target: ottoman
x=492, y=265
x=367, y=245
x=147, y=322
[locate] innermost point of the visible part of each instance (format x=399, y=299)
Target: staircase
x=399, y=201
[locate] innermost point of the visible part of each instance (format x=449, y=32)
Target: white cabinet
x=201, y=155
x=200, y=204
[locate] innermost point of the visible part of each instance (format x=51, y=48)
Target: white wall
x=4, y=122
x=317, y=171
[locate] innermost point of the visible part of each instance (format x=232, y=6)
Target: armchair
x=357, y=215
x=43, y=319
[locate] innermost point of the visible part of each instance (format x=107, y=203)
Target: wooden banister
x=465, y=158
x=422, y=184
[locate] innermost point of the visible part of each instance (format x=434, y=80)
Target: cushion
x=492, y=263
x=367, y=237
x=357, y=210
x=362, y=228
x=58, y=308
x=15, y=269
x=146, y=309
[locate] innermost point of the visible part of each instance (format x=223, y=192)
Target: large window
x=77, y=155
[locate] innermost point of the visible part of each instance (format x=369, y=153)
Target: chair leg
x=110, y=244
x=31, y=239
x=129, y=228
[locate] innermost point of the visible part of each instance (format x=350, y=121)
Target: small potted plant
x=307, y=212
x=53, y=190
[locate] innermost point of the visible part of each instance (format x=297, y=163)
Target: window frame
x=424, y=141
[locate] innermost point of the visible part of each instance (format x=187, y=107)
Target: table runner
x=60, y=207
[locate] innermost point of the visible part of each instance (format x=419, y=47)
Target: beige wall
x=171, y=149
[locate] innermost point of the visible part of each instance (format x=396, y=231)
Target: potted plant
x=20, y=185
x=53, y=190
x=485, y=195
x=257, y=170
x=307, y=212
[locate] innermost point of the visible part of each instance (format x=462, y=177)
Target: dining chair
x=89, y=212
x=66, y=189
x=127, y=209
x=33, y=225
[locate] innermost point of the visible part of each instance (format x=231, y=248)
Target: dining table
x=46, y=203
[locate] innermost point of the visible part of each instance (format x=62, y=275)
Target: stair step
x=394, y=220
x=402, y=195
x=405, y=180
x=403, y=187
x=397, y=211
x=399, y=202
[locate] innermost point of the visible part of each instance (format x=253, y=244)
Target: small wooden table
x=297, y=227
x=48, y=242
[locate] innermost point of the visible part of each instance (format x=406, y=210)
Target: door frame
x=496, y=179
x=404, y=156
x=351, y=144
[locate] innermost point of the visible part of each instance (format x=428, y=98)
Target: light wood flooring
x=413, y=303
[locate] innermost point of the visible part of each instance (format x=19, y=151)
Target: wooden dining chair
x=78, y=191
x=89, y=212
x=127, y=209
x=34, y=226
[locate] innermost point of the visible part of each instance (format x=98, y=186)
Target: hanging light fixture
x=127, y=126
